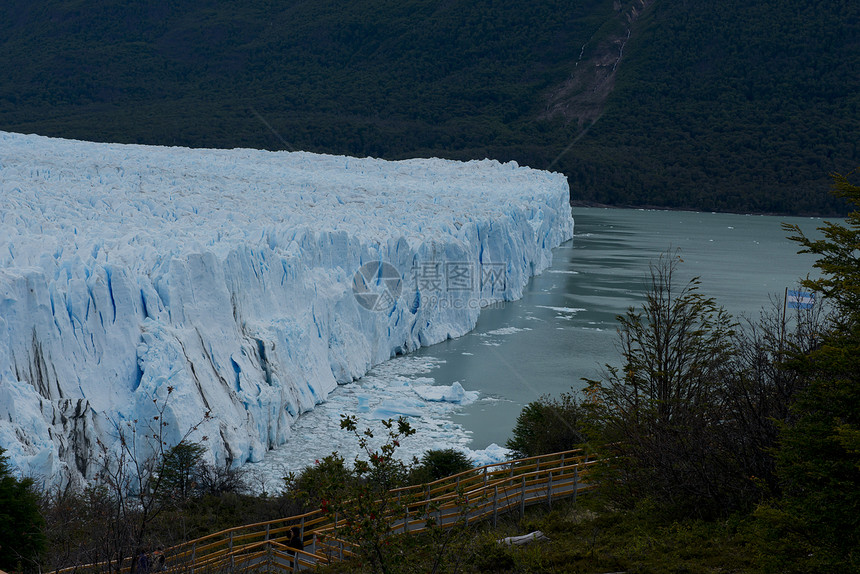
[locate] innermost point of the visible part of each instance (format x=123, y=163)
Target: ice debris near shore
x=229, y=277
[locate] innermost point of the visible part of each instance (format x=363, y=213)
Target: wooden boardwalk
x=475, y=495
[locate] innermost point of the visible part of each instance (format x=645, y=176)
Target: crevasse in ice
x=230, y=278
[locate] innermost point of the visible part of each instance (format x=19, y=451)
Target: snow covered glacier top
x=230, y=277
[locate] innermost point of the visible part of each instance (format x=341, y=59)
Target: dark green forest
x=729, y=106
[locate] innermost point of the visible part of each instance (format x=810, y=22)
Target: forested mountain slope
x=738, y=106
x=731, y=103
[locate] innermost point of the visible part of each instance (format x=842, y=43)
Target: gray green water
x=563, y=328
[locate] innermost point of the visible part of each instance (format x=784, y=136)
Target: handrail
x=488, y=491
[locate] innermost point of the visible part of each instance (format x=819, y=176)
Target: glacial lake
x=563, y=329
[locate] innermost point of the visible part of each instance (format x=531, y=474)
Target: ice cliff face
x=230, y=278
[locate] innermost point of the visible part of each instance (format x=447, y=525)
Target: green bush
x=490, y=556
x=22, y=528
x=818, y=460
x=439, y=463
x=549, y=425
x=307, y=486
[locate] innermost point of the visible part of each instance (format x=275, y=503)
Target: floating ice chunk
x=507, y=331
x=394, y=408
x=490, y=455
x=561, y=309
x=441, y=393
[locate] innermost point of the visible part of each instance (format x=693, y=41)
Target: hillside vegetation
x=732, y=106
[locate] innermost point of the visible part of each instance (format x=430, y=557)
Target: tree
x=675, y=351
x=218, y=480
x=360, y=499
x=132, y=480
x=760, y=389
x=311, y=486
x=180, y=469
x=439, y=463
x=366, y=501
x=816, y=523
x=662, y=410
x=549, y=425
x=22, y=535
x=839, y=258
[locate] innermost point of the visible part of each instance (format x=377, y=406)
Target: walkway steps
x=475, y=495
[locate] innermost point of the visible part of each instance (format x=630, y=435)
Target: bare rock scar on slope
x=582, y=96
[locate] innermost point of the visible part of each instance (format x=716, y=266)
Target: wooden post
x=782, y=323
x=427, y=504
x=193, y=556
x=549, y=490
x=495, y=505
x=575, y=483
x=232, y=561
x=523, y=499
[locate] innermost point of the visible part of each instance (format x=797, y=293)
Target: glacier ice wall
x=226, y=278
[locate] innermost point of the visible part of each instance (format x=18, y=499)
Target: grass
x=587, y=537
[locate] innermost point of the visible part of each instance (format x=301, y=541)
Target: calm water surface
x=563, y=328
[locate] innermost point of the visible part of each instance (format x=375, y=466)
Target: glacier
x=143, y=281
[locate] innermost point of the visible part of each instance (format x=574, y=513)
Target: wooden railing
x=471, y=496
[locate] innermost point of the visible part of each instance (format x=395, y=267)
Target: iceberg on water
x=395, y=408
x=490, y=455
x=140, y=282
x=448, y=394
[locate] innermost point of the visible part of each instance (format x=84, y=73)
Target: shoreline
x=582, y=203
